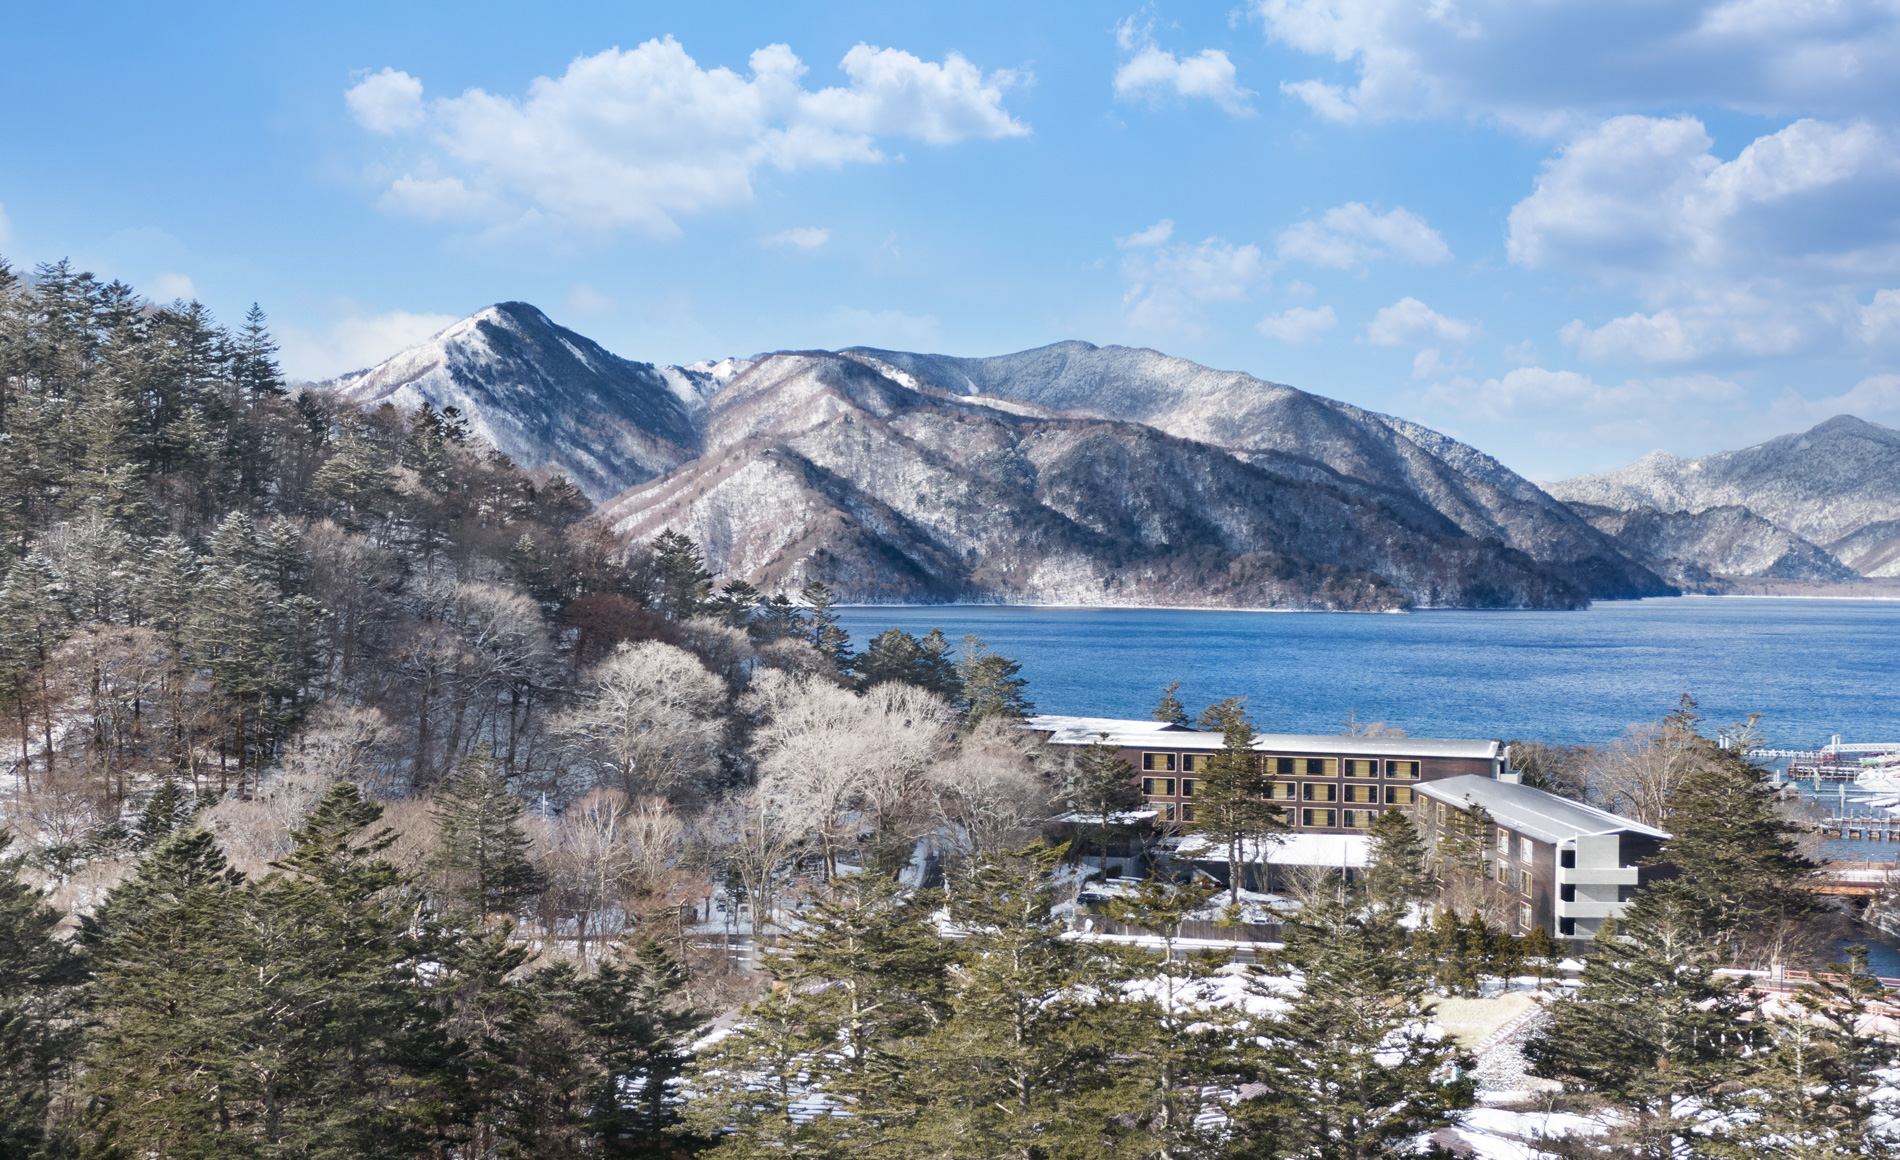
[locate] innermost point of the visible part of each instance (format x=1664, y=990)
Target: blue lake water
x=1811, y=668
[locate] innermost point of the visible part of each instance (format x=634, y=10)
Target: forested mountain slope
x=546, y=396
x=1836, y=485
x=1303, y=436
x=832, y=466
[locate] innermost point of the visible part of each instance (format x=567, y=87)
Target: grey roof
x=1544, y=816
x=1154, y=735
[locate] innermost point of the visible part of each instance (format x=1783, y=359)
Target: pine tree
x=896, y=655
x=855, y=984
x=1809, y=1094
x=40, y=976
x=1174, y=1038
x=1453, y=970
x=989, y=686
x=168, y=810
x=1652, y=1024
x=1396, y=873
x=1103, y=785
x=1735, y=854
x=1169, y=710
x=32, y=623
x=1350, y=1070
x=483, y=859
x=1023, y=1067
x=1233, y=808
x=821, y=624
x=684, y=584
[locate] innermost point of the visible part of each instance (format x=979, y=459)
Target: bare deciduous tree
x=651, y=721
x=992, y=789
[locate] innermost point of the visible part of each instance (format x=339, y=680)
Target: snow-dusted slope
x=1380, y=457
x=1824, y=484
x=835, y=467
x=547, y=396
x=1705, y=549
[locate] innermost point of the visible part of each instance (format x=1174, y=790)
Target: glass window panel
x=1403, y=770
x=1319, y=817
x=1187, y=786
x=1398, y=795
x=1157, y=762
x=1194, y=762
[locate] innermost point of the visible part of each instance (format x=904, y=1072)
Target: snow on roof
x=1350, y=851
x=1544, y=816
x=1156, y=735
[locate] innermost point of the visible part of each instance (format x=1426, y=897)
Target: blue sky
x=1566, y=232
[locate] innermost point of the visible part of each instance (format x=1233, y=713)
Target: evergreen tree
x=989, y=686
x=483, y=859
x=1023, y=1068
x=1173, y=1037
x=864, y=975
x=1169, y=710
x=1653, y=1024
x=1350, y=1070
x=1396, y=874
x=1453, y=971
x=821, y=624
x=169, y=809
x=1103, y=785
x=1809, y=1094
x=1233, y=808
x=684, y=584
x=32, y=623
x=40, y=977
x=1734, y=853
x=896, y=655
x=736, y=604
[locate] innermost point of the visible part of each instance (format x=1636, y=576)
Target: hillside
x=1707, y=550
x=1836, y=486
x=546, y=396
x=1071, y=474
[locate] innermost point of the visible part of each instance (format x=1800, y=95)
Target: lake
x=1811, y=668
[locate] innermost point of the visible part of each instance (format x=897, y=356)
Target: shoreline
x=962, y=604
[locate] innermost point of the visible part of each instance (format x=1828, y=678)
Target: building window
x=1368, y=794
x=1525, y=851
x=1170, y=809
x=1398, y=795
x=1403, y=770
x=1358, y=767
x=1503, y=874
x=1158, y=786
x=1567, y=892
x=1504, y=841
x=1567, y=927
x=1567, y=859
x=1361, y=819
x=1320, y=791
x=1279, y=766
x=1157, y=763
x=1318, y=817
x=1194, y=762
x=1320, y=767
x=1187, y=813
x=1441, y=813
x=1187, y=786
x=1524, y=918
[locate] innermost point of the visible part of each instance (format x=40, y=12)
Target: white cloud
x=1154, y=235
x=635, y=139
x=584, y=299
x=1168, y=285
x=1766, y=254
x=1409, y=322
x=172, y=287
x=1352, y=234
x=1154, y=73
x=1298, y=324
x=1539, y=66
x=386, y=102
x=1523, y=353
x=799, y=238
x=358, y=340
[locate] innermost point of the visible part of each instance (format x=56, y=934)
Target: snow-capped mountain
x=546, y=396
x=1072, y=473
x=1705, y=550
x=1835, y=486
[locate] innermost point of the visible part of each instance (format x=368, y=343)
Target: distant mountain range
x=1067, y=474
x=1823, y=505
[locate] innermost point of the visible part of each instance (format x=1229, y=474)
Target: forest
x=362, y=797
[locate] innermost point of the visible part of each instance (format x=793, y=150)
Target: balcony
x=1596, y=875
x=1590, y=908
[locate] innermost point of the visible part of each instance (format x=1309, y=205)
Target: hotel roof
x=1544, y=816
x=1155, y=735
